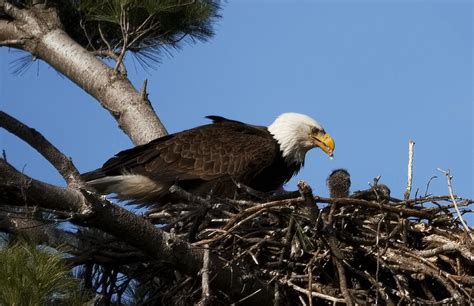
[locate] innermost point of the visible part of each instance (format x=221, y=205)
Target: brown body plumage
x=209, y=158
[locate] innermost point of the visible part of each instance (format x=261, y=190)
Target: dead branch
x=206, y=291
x=18, y=189
x=411, y=145
x=451, y=195
x=358, y=258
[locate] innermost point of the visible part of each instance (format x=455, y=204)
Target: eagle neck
x=289, y=148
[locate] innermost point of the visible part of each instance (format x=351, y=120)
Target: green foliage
x=110, y=28
x=110, y=11
x=146, y=27
x=31, y=276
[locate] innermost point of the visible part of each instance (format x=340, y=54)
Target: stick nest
x=366, y=248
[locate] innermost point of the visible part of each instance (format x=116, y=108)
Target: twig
x=338, y=259
x=307, y=194
x=367, y=204
x=288, y=238
x=247, y=297
x=451, y=194
x=86, y=34
x=125, y=26
x=428, y=184
x=411, y=145
x=259, y=207
x=143, y=92
x=228, y=231
x=108, y=53
x=343, y=282
x=206, y=291
x=377, y=270
x=316, y=294
x=368, y=277
x=301, y=300
x=406, y=195
x=183, y=194
x=404, y=263
x=447, y=247
x=425, y=200
x=249, y=190
x=310, y=284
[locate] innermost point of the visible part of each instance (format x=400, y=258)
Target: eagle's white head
x=297, y=134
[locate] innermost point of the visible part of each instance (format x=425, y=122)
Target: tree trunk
x=39, y=31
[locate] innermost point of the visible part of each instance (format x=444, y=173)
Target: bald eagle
x=213, y=158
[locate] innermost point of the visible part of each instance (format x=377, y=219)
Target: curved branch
x=44, y=37
x=44, y=147
x=135, y=115
x=19, y=189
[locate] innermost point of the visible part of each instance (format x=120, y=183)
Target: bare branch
x=367, y=204
x=10, y=35
x=453, y=199
x=143, y=92
x=316, y=294
x=38, y=231
x=448, y=247
x=338, y=257
x=18, y=189
x=63, y=164
x=125, y=26
x=307, y=194
x=206, y=291
x=406, y=195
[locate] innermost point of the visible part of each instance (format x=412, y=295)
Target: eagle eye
x=315, y=130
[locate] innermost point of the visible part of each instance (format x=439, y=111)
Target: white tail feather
x=129, y=186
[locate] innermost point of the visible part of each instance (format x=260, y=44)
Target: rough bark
x=20, y=190
x=37, y=231
x=40, y=31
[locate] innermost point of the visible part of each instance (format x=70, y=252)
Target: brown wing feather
x=211, y=152
x=208, y=152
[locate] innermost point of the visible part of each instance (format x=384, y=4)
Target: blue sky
x=374, y=73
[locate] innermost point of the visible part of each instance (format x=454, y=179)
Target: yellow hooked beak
x=325, y=142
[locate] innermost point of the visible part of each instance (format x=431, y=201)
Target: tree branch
x=37, y=231
x=44, y=147
x=46, y=40
x=206, y=292
x=9, y=34
x=19, y=189
x=451, y=194
x=406, y=195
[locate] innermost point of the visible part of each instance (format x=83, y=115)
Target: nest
x=367, y=248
